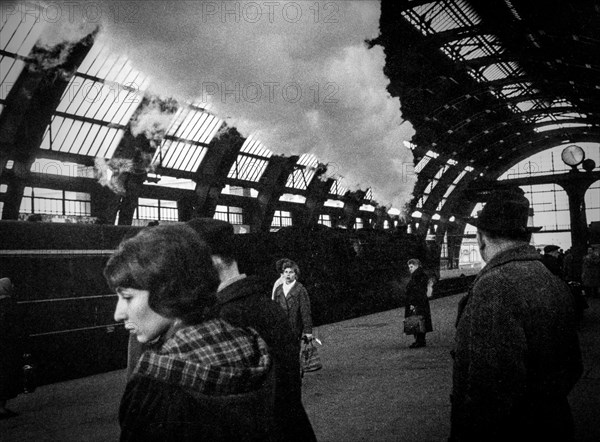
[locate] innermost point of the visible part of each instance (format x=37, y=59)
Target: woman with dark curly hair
x=199, y=378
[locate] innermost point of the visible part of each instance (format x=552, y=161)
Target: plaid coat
x=211, y=381
x=516, y=354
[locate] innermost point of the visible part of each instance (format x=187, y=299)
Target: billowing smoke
x=55, y=25
x=113, y=173
x=153, y=119
x=297, y=74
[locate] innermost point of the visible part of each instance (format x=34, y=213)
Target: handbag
x=309, y=356
x=29, y=374
x=414, y=324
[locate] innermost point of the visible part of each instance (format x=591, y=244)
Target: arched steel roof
x=487, y=84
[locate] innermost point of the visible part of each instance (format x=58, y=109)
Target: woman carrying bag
x=293, y=298
x=417, y=302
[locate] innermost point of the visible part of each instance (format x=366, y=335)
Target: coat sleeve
x=489, y=369
x=305, y=311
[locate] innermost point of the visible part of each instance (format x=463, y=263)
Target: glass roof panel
x=421, y=164
x=301, y=177
x=473, y=47
x=90, y=58
x=179, y=155
x=193, y=124
x=211, y=130
x=79, y=137
x=248, y=168
x=420, y=202
x=449, y=190
x=441, y=172
x=102, y=101
x=546, y=118
x=440, y=16
x=561, y=103
x=524, y=106
x=369, y=194
x=10, y=68
x=516, y=89
x=119, y=68
x=253, y=146
x=560, y=126
x=205, y=127
x=337, y=188
x=186, y=153
x=497, y=71
x=131, y=101
x=429, y=187
x=109, y=141
x=19, y=36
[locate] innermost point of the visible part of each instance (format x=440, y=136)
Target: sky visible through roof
x=297, y=75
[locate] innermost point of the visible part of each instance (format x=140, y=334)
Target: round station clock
x=572, y=155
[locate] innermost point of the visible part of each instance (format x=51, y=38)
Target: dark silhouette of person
x=516, y=355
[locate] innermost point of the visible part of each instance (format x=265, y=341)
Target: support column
x=576, y=190
x=352, y=202
x=273, y=186
x=317, y=193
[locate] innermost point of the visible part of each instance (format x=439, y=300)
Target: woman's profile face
x=289, y=274
x=133, y=309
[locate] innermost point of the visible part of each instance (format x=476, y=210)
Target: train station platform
x=372, y=387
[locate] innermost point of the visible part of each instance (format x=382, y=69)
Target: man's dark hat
x=507, y=210
x=219, y=235
x=550, y=248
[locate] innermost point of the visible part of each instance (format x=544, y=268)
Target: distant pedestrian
x=568, y=268
x=11, y=348
x=293, y=297
x=551, y=260
x=516, y=355
x=590, y=273
x=417, y=302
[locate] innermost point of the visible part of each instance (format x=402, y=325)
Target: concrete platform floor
x=372, y=388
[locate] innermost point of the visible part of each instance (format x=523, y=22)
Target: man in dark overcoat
x=244, y=301
x=517, y=354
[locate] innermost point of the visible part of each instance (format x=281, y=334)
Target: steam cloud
x=297, y=74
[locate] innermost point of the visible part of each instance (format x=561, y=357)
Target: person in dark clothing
x=417, y=302
x=11, y=348
x=293, y=299
x=567, y=267
x=516, y=354
x=551, y=260
x=245, y=301
x=200, y=377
